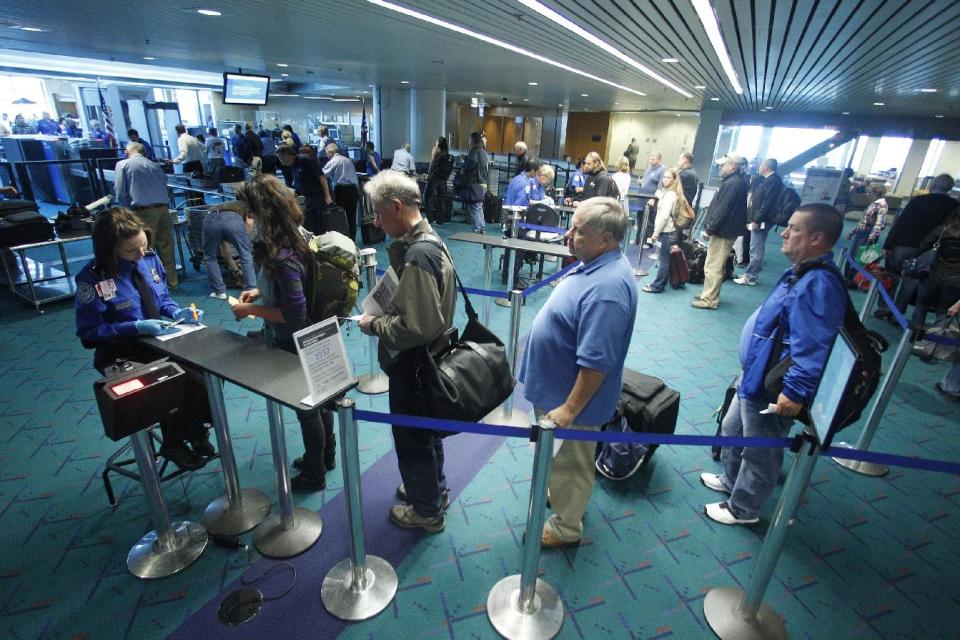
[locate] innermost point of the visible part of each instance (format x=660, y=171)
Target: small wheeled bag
x=468, y=379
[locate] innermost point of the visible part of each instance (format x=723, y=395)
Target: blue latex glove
x=155, y=327
x=186, y=313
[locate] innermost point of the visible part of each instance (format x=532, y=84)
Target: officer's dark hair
x=111, y=227
x=286, y=150
x=287, y=127
x=130, y=132
x=180, y=129
x=531, y=165
x=475, y=137
x=825, y=219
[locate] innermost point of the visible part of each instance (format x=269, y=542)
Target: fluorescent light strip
x=708, y=18
x=105, y=68
x=552, y=15
x=497, y=43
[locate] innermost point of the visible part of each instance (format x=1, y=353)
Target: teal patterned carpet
x=865, y=558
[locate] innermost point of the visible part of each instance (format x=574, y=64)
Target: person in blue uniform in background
x=122, y=295
x=524, y=186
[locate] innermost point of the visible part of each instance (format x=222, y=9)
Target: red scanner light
x=124, y=388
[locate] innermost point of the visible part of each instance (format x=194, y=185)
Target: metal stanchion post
x=871, y=300
x=887, y=386
x=294, y=529
x=169, y=548
x=735, y=614
x=362, y=585
x=487, y=277
x=640, y=271
x=524, y=606
x=375, y=382
x=239, y=510
x=504, y=414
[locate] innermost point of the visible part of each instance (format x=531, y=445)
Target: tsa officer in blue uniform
x=121, y=295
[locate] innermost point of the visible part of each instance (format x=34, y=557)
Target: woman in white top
x=664, y=229
x=622, y=180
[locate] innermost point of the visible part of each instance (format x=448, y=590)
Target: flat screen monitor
x=833, y=382
x=245, y=89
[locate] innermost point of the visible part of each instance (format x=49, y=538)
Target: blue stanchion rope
x=555, y=276
x=436, y=424
x=470, y=290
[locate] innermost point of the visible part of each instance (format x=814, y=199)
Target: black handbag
x=919, y=267
x=469, y=378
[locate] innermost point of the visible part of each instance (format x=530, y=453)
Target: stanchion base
x=503, y=609
x=721, y=609
x=221, y=519
x=147, y=561
x=273, y=541
x=346, y=603
x=372, y=385
x=871, y=469
x=516, y=419
x=639, y=273
x=502, y=302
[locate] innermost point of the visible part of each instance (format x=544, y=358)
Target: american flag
x=107, y=118
x=363, y=125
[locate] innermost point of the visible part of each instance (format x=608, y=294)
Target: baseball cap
x=731, y=157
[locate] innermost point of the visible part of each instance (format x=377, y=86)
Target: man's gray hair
x=331, y=148
x=604, y=214
x=521, y=144
x=393, y=185
x=136, y=147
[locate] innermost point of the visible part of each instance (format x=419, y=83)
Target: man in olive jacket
x=726, y=219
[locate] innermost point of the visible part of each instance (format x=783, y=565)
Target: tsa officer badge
x=156, y=275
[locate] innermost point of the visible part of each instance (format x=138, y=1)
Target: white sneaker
x=713, y=481
x=720, y=512
x=218, y=296
x=745, y=281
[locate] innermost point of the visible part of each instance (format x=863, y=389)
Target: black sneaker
x=445, y=498
x=202, y=445
x=309, y=481
x=329, y=465
x=180, y=455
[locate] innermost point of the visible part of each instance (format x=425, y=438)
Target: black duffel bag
x=469, y=378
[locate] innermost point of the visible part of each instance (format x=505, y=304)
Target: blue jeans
x=951, y=381
x=667, y=240
x=419, y=451
x=751, y=473
x=475, y=215
x=226, y=225
x=758, y=244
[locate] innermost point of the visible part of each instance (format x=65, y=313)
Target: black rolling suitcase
x=334, y=218
x=372, y=234
x=696, y=259
x=647, y=405
x=491, y=207
x=443, y=210
x=21, y=223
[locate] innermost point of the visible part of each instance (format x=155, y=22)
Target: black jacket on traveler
x=727, y=216
x=922, y=215
x=764, y=200
x=600, y=184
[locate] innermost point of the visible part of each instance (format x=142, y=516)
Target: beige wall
x=950, y=159
x=665, y=132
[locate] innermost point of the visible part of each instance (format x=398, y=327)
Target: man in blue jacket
x=806, y=308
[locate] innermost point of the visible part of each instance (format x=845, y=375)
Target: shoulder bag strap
x=434, y=239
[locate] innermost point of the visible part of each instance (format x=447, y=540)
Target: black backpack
x=787, y=203
x=865, y=377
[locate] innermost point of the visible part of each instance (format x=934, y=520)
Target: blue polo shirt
x=519, y=190
x=586, y=323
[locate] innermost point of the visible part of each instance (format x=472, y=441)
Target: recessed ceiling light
x=479, y=93
x=559, y=105
x=938, y=116
x=443, y=24
x=533, y=84
x=699, y=86
x=845, y=113
x=209, y=12
x=715, y=99
x=282, y=64
x=670, y=60
x=584, y=95
x=928, y=90
x=616, y=103
x=526, y=99
x=33, y=29
x=879, y=104
x=149, y=58
x=404, y=82
x=284, y=75
x=284, y=95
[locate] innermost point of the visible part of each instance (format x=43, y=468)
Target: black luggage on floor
x=21, y=223
x=696, y=260
x=372, y=234
x=230, y=174
x=334, y=218
x=647, y=405
x=491, y=207
x=443, y=210
x=729, y=265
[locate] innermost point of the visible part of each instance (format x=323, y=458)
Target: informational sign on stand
x=323, y=357
x=821, y=185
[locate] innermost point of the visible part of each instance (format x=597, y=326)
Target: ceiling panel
x=791, y=55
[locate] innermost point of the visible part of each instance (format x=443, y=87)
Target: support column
x=392, y=107
x=908, y=175
x=869, y=153
x=705, y=142
x=428, y=110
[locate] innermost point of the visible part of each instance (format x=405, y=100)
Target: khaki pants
x=160, y=223
x=571, y=483
x=717, y=252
